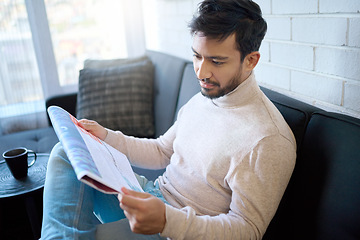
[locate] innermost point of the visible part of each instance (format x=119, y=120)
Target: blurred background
x=311, y=51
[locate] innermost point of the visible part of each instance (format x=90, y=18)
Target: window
x=82, y=29
x=19, y=76
x=43, y=44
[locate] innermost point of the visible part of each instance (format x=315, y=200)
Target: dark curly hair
x=218, y=19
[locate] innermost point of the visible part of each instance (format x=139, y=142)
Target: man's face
x=217, y=65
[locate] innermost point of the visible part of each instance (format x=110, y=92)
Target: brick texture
x=311, y=50
x=343, y=6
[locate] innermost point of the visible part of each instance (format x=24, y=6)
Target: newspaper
x=95, y=162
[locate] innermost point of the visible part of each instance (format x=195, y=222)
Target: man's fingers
x=132, y=199
x=94, y=128
x=135, y=194
x=126, y=209
x=146, y=213
x=86, y=124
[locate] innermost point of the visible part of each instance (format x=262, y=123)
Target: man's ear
x=251, y=60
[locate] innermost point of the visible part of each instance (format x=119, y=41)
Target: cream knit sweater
x=228, y=162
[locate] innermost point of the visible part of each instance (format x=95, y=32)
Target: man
x=228, y=157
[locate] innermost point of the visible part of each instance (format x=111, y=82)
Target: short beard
x=231, y=86
x=220, y=93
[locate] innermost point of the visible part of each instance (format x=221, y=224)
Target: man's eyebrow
x=210, y=57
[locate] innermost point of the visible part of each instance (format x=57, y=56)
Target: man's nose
x=203, y=71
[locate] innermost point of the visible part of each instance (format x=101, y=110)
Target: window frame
x=45, y=56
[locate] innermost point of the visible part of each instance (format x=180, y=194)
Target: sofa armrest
x=65, y=101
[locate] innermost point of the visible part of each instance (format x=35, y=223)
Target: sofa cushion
x=168, y=75
x=323, y=197
x=327, y=179
x=167, y=80
x=189, y=87
x=39, y=140
x=109, y=63
x=119, y=98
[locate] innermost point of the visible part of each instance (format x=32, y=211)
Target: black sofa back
x=322, y=200
x=327, y=179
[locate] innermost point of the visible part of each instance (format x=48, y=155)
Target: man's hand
x=146, y=213
x=94, y=128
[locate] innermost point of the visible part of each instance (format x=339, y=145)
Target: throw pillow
x=108, y=63
x=119, y=98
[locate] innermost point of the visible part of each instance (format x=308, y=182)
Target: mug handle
x=33, y=161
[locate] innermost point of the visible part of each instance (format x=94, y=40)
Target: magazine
x=95, y=162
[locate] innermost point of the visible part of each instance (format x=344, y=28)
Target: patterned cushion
x=119, y=98
x=108, y=63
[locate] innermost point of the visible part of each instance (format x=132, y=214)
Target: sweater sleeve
x=257, y=182
x=143, y=152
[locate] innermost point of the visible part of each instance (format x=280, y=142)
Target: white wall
x=166, y=25
x=311, y=50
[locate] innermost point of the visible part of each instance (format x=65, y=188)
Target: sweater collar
x=240, y=95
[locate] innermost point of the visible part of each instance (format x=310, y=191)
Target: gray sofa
x=322, y=200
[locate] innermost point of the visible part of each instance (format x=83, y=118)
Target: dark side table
x=23, y=191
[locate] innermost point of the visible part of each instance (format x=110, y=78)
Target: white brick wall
x=311, y=50
x=339, y=61
x=292, y=55
x=351, y=96
x=335, y=6
x=320, y=30
x=318, y=42
x=324, y=88
x=354, y=32
x=279, y=28
x=275, y=75
x=294, y=6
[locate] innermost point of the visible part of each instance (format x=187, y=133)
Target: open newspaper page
x=95, y=162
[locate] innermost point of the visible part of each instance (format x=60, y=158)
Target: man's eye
x=197, y=56
x=217, y=63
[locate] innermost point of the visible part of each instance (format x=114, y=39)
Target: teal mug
x=17, y=161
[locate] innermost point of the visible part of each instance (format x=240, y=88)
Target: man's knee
x=58, y=157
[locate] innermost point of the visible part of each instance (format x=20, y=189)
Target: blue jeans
x=73, y=210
